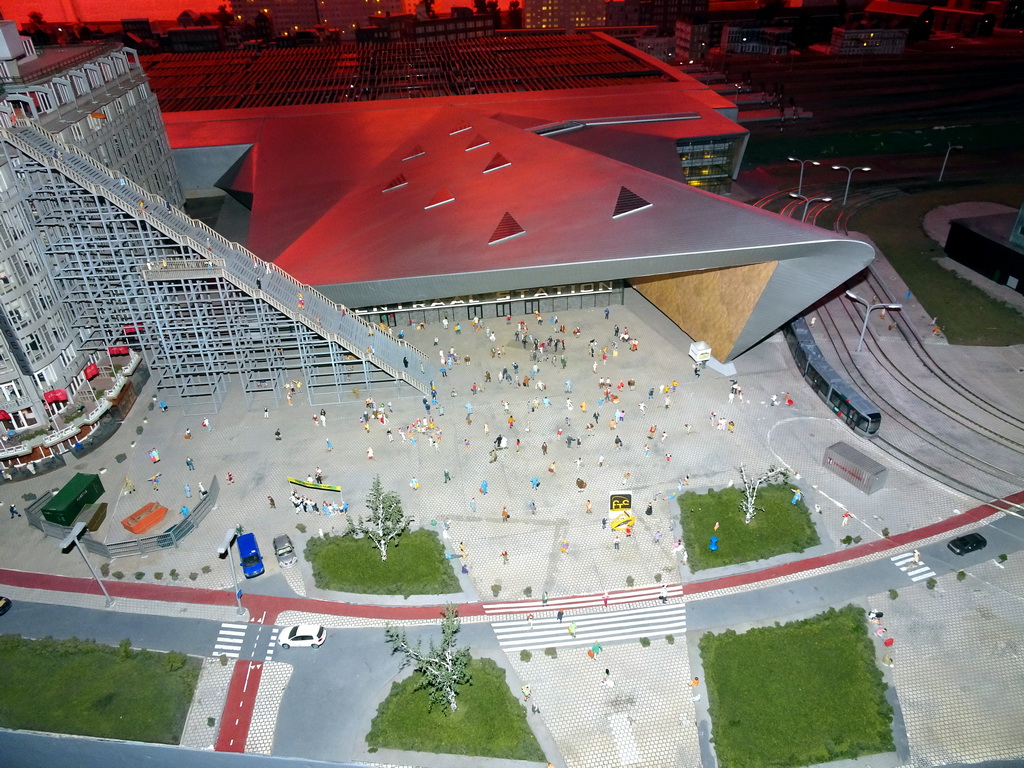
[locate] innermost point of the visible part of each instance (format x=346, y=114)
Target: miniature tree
x=751, y=485
x=386, y=520
x=444, y=667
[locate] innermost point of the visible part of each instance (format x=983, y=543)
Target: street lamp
x=849, y=175
x=867, y=313
x=950, y=146
x=72, y=541
x=808, y=201
x=800, y=184
x=225, y=549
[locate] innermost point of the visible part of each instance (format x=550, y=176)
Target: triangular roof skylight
x=498, y=161
x=440, y=197
x=628, y=202
x=477, y=142
x=395, y=183
x=507, y=227
x=416, y=152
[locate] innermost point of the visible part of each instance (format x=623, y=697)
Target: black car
x=5, y=605
x=970, y=542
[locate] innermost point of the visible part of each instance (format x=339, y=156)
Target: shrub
x=629, y=581
x=159, y=575
x=528, y=591
x=645, y=642
x=139, y=430
x=118, y=575
x=657, y=578
x=931, y=583
x=174, y=574
x=206, y=569
x=847, y=540
x=121, y=458
x=223, y=660
x=525, y=655
x=175, y=661
x=105, y=569
x=885, y=533
x=210, y=721
x=961, y=575
x=124, y=649
x=300, y=527
x=551, y=653
x=670, y=639
x=139, y=575
x=193, y=575
x=1002, y=558
x=495, y=589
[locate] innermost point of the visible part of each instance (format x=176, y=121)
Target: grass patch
x=782, y=527
x=967, y=315
x=78, y=687
x=804, y=693
x=416, y=565
x=490, y=721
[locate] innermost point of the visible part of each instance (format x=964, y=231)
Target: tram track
x=947, y=449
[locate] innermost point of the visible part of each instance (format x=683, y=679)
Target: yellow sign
x=620, y=502
x=623, y=521
x=317, y=486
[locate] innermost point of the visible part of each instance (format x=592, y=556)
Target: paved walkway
x=242, y=443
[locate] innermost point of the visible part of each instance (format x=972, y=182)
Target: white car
x=302, y=635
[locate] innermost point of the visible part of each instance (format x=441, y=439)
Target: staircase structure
x=137, y=271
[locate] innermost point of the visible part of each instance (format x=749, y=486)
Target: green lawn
x=490, y=721
x=803, y=693
x=78, y=687
x=415, y=566
x=781, y=528
x=966, y=314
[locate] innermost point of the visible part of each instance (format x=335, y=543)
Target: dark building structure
x=993, y=246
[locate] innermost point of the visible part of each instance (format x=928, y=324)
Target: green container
x=82, y=489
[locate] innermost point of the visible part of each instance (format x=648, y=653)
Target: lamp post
x=950, y=146
x=800, y=184
x=72, y=541
x=225, y=549
x=808, y=201
x=867, y=314
x=849, y=175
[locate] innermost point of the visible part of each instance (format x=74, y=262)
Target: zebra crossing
x=910, y=563
x=604, y=626
x=623, y=597
x=230, y=640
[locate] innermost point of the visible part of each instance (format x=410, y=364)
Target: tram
x=859, y=413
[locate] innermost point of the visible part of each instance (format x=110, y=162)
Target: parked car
x=249, y=552
x=5, y=605
x=285, y=552
x=302, y=635
x=969, y=542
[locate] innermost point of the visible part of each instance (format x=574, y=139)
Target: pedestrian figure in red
x=231, y=478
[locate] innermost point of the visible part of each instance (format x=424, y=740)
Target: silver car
x=285, y=552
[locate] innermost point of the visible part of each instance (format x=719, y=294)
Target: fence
x=140, y=546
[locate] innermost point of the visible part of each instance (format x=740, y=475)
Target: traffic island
x=490, y=721
x=803, y=693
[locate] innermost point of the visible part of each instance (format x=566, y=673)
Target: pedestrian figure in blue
x=535, y=482
x=547, y=402
x=713, y=546
x=469, y=409
x=607, y=312
x=483, y=487
x=188, y=491
x=568, y=385
x=163, y=406
x=797, y=495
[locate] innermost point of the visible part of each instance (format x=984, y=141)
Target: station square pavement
x=650, y=717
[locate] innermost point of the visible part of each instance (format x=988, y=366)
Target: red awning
x=91, y=371
x=117, y=350
x=133, y=329
x=55, y=396
x=4, y=415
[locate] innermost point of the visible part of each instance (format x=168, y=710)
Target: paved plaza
x=649, y=716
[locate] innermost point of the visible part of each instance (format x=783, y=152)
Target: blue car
x=249, y=552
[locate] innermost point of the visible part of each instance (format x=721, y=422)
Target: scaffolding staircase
x=215, y=256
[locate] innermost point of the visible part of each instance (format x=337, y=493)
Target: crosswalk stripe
x=923, y=576
x=231, y=647
x=234, y=626
x=902, y=558
x=583, y=601
x=230, y=633
x=604, y=627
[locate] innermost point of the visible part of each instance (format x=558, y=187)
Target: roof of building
x=890, y=8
